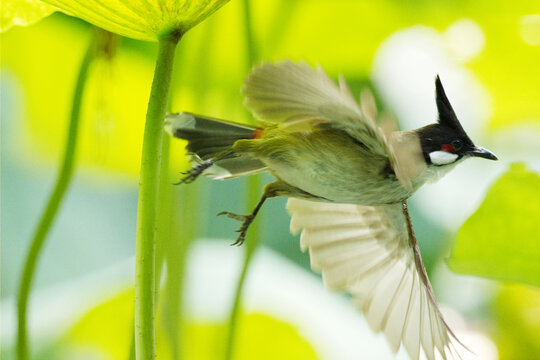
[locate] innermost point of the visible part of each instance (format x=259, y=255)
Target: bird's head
x=445, y=142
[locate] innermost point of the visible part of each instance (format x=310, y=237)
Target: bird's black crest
x=447, y=116
x=447, y=129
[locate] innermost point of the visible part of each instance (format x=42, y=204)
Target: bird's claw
x=194, y=172
x=246, y=221
x=187, y=179
x=235, y=216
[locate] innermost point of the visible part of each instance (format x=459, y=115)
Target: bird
x=347, y=172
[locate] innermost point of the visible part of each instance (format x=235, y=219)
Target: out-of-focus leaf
x=22, y=12
x=209, y=78
x=206, y=340
x=212, y=66
x=141, y=20
x=508, y=62
x=105, y=333
x=343, y=36
x=517, y=314
x=43, y=61
x=501, y=239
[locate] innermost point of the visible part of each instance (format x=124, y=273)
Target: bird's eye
x=457, y=144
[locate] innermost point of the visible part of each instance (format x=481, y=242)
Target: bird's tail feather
x=210, y=138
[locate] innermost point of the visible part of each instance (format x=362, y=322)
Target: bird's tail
x=210, y=140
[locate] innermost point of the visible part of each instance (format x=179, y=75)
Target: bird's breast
x=333, y=167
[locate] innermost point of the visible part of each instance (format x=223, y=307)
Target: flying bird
x=348, y=177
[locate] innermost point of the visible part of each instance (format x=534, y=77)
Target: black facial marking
x=434, y=136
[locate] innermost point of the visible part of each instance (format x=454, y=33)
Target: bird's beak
x=481, y=152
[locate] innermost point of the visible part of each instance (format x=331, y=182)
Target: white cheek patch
x=442, y=157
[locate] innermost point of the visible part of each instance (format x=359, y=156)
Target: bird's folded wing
x=367, y=252
x=301, y=97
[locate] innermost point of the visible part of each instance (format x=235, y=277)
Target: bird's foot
x=246, y=221
x=194, y=172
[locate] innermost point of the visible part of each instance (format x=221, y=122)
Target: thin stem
x=148, y=201
x=176, y=250
x=171, y=243
x=163, y=218
x=251, y=245
x=254, y=193
x=162, y=233
x=250, y=42
x=62, y=182
x=165, y=241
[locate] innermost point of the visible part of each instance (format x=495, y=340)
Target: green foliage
x=517, y=314
x=114, y=104
x=501, y=240
x=22, y=12
x=148, y=20
x=104, y=332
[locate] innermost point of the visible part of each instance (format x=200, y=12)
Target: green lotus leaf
x=517, y=314
x=22, y=12
x=140, y=19
x=104, y=332
x=501, y=239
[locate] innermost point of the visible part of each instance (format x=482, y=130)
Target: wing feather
x=367, y=251
x=410, y=337
x=396, y=316
x=300, y=97
x=377, y=304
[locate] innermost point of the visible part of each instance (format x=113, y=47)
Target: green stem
x=62, y=182
x=176, y=249
x=254, y=194
x=250, y=42
x=148, y=200
x=251, y=245
x=175, y=245
x=163, y=218
x=171, y=244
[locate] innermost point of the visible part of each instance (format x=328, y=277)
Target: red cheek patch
x=448, y=148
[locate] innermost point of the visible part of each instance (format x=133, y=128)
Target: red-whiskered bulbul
x=348, y=180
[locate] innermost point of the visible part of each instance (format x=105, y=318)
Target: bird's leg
x=246, y=219
x=410, y=230
x=193, y=173
x=277, y=188
x=414, y=245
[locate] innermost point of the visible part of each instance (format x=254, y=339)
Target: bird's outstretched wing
x=371, y=253
x=301, y=97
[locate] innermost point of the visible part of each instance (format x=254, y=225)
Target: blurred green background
x=488, y=56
